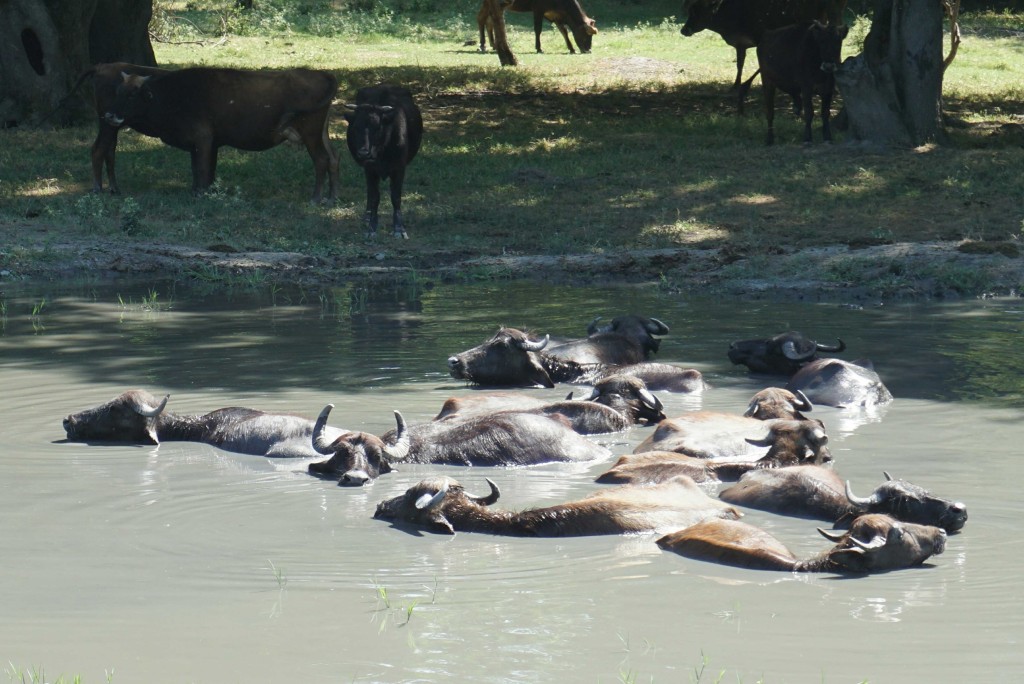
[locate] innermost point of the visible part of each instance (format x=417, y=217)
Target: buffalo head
x=508, y=358
x=876, y=543
x=629, y=395
x=783, y=354
x=794, y=442
x=775, y=402
x=910, y=503
x=698, y=15
x=357, y=458
x=645, y=332
x=131, y=417
x=829, y=39
x=431, y=502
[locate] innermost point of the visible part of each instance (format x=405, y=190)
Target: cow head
x=910, y=503
x=371, y=128
x=131, y=417
x=782, y=354
x=698, y=15
x=829, y=39
x=130, y=100
x=434, y=503
x=628, y=394
x=357, y=458
x=640, y=330
x=876, y=543
x=508, y=358
x=775, y=402
x=794, y=442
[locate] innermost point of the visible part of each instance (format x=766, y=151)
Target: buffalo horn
x=428, y=501
x=529, y=346
x=802, y=403
x=320, y=445
x=789, y=350
x=594, y=394
x=656, y=327
x=765, y=441
x=151, y=411
x=650, y=400
x=830, y=348
x=593, y=329
x=351, y=106
x=859, y=500
x=876, y=542
x=888, y=477
x=400, y=449
x=490, y=498
x=831, y=536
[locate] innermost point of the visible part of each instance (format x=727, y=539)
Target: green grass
x=636, y=145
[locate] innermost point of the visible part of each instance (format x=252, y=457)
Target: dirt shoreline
x=898, y=271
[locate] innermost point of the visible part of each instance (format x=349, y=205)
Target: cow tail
x=91, y=71
x=744, y=89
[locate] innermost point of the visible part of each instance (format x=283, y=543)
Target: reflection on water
x=187, y=563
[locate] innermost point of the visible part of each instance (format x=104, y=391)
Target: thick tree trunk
x=892, y=91
x=46, y=44
x=501, y=46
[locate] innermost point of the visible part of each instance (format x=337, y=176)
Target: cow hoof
x=371, y=235
x=400, y=234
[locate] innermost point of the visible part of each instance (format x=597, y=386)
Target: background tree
x=46, y=44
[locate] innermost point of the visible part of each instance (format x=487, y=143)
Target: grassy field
x=636, y=145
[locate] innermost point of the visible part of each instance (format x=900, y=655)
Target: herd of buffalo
x=201, y=109
x=772, y=457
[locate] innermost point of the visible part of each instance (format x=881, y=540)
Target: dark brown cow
x=385, y=129
x=874, y=543
x=800, y=60
x=442, y=505
x=202, y=109
x=742, y=23
x=558, y=12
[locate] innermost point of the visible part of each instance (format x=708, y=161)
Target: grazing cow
x=723, y=436
x=874, y=543
x=105, y=80
x=203, y=109
x=800, y=60
x=137, y=417
x=783, y=354
x=511, y=359
x=558, y=12
x=385, y=129
x=742, y=23
x=442, y=505
x=811, y=491
x=499, y=439
x=790, y=442
x=834, y=382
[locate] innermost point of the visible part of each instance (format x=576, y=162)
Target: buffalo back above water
x=838, y=383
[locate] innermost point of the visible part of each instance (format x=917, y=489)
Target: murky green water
x=185, y=563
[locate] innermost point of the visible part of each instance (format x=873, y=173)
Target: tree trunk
x=46, y=44
x=892, y=91
x=501, y=46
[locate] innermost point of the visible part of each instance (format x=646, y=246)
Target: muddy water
x=184, y=563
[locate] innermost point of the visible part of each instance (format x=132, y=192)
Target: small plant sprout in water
x=279, y=577
x=35, y=675
x=37, y=308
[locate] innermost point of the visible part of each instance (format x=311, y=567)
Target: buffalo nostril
x=354, y=479
x=453, y=362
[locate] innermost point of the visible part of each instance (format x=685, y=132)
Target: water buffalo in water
x=202, y=109
x=874, y=543
x=713, y=434
x=742, y=23
x=512, y=359
x=790, y=442
x=558, y=12
x=783, y=354
x=137, y=417
x=501, y=439
x=385, y=129
x=834, y=382
x=812, y=491
x=442, y=505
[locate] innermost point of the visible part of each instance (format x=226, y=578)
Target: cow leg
x=741, y=57
x=372, y=202
x=397, y=180
x=807, y=95
x=103, y=150
x=538, y=26
x=481, y=23
x=204, y=166
x=565, y=35
x=769, y=107
x=826, y=112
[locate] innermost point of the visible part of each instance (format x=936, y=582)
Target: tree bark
x=892, y=91
x=46, y=44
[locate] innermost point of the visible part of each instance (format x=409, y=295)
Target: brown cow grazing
x=105, y=80
x=441, y=505
x=385, y=129
x=800, y=60
x=558, y=12
x=742, y=23
x=874, y=543
x=203, y=109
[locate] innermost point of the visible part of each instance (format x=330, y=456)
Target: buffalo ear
x=440, y=524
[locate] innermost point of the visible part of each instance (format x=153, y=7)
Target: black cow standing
x=384, y=133
x=800, y=60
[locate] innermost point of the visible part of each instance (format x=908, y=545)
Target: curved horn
x=428, y=502
x=802, y=403
x=150, y=411
x=650, y=400
x=656, y=327
x=767, y=441
x=594, y=394
x=320, y=445
x=876, y=542
x=859, y=500
x=400, y=449
x=490, y=498
x=888, y=477
x=592, y=326
x=351, y=106
x=830, y=348
x=790, y=351
x=831, y=536
x=527, y=345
